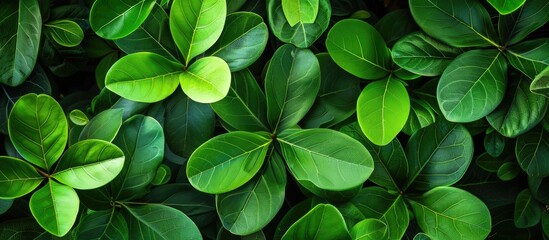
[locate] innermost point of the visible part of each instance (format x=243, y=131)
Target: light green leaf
x=505, y=7
x=196, y=25
x=472, y=86
x=359, y=49
x=144, y=77
x=532, y=149
x=55, y=207
x=540, y=85
x=252, y=206
x=66, y=33
x=242, y=41
x=117, y=19
x=340, y=164
x=227, y=161
x=324, y=221
x=152, y=221
x=291, y=85
x=78, y=117
x=422, y=236
x=464, y=23
x=103, y=126
x=423, y=55
x=296, y=11
x=369, y=229
x=527, y=211
x=529, y=57
x=382, y=110
x=17, y=178
x=207, y=80
x=102, y=225
x=514, y=27
x=451, y=213
x=89, y=164
x=38, y=129
x=21, y=26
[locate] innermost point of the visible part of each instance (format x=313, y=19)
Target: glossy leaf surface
x=304, y=11
x=152, y=221
x=532, y=149
x=17, y=178
x=65, y=32
x=117, y=19
x=515, y=27
x=529, y=57
x=369, y=229
x=104, y=126
x=506, y=7
x=108, y=224
x=324, y=221
x=207, y=80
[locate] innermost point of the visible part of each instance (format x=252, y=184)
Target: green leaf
x=21, y=26
x=514, y=27
x=489, y=163
x=162, y=176
x=422, y=236
x=507, y=6
x=17, y=178
x=142, y=141
x=359, y=49
x=21, y=228
x=539, y=188
x=252, y=206
x=103, y=126
x=340, y=164
x=382, y=110
x=117, y=19
x=153, y=221
x=300, y=11
x=508, y=171
x=196, y=25
x=395, y=25
x=207, y=80
x=291, y=85
x=301, y=35
x=369, y=229
x=78, y=117
x=494, y=142
x=472, y=86
x=527, y=211
x=244, y=107
x=89, y=164
x=103, y=67
x=144, y=77
x=451, y=213
x=66, y=33
x=5, y=205
x=151, y=36
x=532, y=149
x=529, y=57
x=540, y=85
x=421, y=115
x=55, y=207
x=423, y=55
x=324, y=221
x=226, y=235
x=38, y=129
x=227, y=161
x=242, y=41
x=109, y=224
x=457, y=23
x=545, y=224
x=520, y=111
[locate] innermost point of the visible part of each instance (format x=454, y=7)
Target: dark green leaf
x=324, y=221
x=66, y=33
x=532, y=149
x=540, y=85
x=369, y=229
x=530, y=57
x=545, y=224
x=117, y=19
x=506, y=7
x=207, y=80
x=514, y=27
x=226, y=235
x=162, y=176
x=539, y=188
x=494, y=142
x=527, y=211
x=17, y=178
x=102, y=225
x=103, y=126
x=489, y=163
x=421, y=115
x=21, y=228
x=152, y=221
x=395, y=25
x=5, y=205
x=508, y=171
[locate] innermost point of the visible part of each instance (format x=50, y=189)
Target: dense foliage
x=274, y=119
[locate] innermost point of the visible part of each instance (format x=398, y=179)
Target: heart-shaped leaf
x=117, y=19
x=472, y=86
x=196, y=25
x=207, y=80
x=21, y=23
x=529, y=57
x=55, y=207
x=313, y=161
x=17, y=178
x=324, y=221
x=532, y=149
x=514, y=27
x=38, y=129
x=108, y=224
x=104, y=126
x=296, y=11
x=144, y=77
x=507, y=6
x=227, y=161
x=359, y=49
x=369, y=229
x=66, y=33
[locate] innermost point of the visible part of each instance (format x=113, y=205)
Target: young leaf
x=300, y=11
x=532, y=149
x=252, y=206
x=108, y=224
x=144, y=77
x=369, y=229
x=21, y=23
x=17, y=178
x=153, y=221
x=104, y=126
x=473, y=85
x=117, y=19
x=324, y=221
x=196, y=25
x=291, y=85
x=55, y=207
x=78, y=117
x=89, y=164
x=382, y=110
x=527, y=211
x=457, y=23
x=520, y=111
x=423, y=55
x=529, y=57
x=507, y=6
x=38, y=129
x=244, y=107
x=207, y=80
x=66, y=33
x=227, y=161
x=340, y=165
x=514, y=27
x=540, y=85
x=242, y=41
x=451, y=213
x=359, y=49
